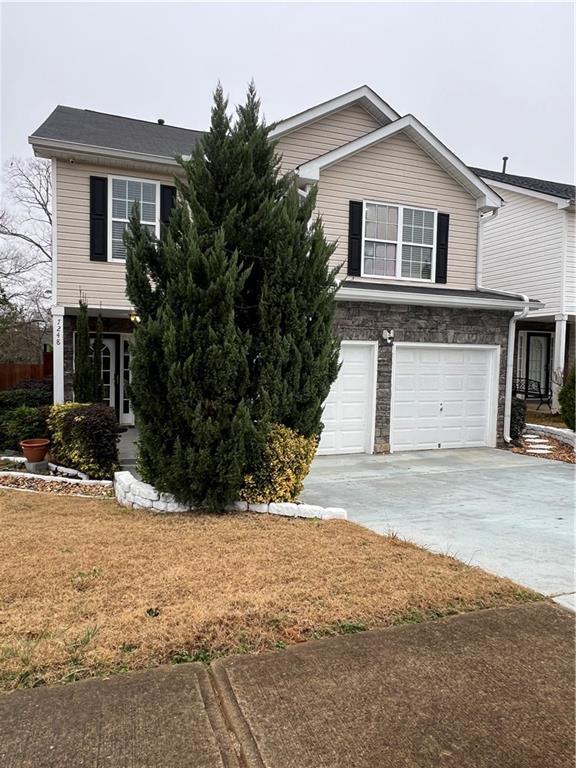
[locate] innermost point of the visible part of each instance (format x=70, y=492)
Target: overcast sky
x=488, y=79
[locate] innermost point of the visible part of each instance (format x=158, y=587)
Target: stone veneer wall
x=446, y=325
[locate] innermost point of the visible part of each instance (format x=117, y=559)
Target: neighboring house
x=529, y=247
x=425, y=351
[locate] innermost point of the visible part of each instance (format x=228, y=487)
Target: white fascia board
x=561, y=202
x=486, y=198
x=47, y=145
x=435, y=300
x=364, y=95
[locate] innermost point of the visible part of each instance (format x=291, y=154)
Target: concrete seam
x=225, y=740
x=249, y=754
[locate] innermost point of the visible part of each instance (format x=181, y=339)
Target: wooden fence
x=13, y=373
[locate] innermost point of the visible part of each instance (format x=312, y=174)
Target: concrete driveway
x=508, y=513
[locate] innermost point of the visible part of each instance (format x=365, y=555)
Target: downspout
x=520, y=315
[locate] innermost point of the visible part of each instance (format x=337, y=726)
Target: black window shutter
x=98, y=218
x=167, y=202
x=355, y=238
x=442, y=248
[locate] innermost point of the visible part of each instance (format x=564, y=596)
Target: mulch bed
x=560, y=451
x=28, y=483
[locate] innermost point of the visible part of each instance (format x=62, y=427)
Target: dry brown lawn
x=89, y=588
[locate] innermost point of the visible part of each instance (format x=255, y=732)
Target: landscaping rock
x=334, y=513
x=145, y=491
x=260, y=508
x=285, y=508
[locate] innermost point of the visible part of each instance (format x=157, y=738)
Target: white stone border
x=131, y=492
x=53, y=479
x=564, y=435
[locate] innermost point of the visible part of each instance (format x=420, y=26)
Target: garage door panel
x=445, y=401
x=348, y=410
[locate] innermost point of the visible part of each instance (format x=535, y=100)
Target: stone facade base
x=364, y=321
x=131, y=492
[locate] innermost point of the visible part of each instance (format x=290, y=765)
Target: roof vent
x=504, y=160
x=160, y=121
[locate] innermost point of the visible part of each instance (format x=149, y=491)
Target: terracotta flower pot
x=35, y=450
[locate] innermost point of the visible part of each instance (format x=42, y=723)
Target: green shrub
x=85, y=437
x=517, y=418
x=566, y=398
x=14, y=398
x=286, y=462
x=45, y=386
x=22, y=423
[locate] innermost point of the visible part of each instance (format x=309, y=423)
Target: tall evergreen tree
x=189, y=364
x=235, y=304
x=83, y=381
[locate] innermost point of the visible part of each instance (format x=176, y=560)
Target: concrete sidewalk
x=482, y=690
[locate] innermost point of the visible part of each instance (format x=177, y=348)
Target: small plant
x=285, y=463
x=152, y=613
x=566, y=399
x=82, y=580
x=517, y=418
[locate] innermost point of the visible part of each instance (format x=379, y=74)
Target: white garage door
x=444, y=396
x=349, y=409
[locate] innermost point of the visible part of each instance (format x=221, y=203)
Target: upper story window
x=123, y=193
x=398, y=242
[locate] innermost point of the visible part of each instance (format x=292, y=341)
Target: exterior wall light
x=388, y=336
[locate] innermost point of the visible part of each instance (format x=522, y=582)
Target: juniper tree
x=189, y=365
x=233, y=181
x=83, y=381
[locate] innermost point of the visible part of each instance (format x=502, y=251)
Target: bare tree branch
x=27, y=217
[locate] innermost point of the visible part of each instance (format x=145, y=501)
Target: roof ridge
x=134, y=119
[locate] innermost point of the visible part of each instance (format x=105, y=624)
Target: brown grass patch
x=90, y=588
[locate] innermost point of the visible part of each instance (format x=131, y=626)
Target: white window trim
x=399, y=243
x=156, y=223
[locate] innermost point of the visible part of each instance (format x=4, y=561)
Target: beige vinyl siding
x=522, y=249
x=397, y=171
x=324, y=135
x=570, y=283
x=102, y=282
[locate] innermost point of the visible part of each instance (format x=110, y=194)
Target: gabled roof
x=363, y=96
x=552, y=188
x=486, y=198
x=68, y=127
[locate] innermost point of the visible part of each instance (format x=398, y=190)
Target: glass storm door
x=126, y=415
x=537, y=359
x=108, y=372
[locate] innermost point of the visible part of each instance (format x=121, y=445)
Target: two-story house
x=530, y=247
x=426, y=361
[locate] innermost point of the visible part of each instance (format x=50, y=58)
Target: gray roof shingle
x=555, y=188
x=98, y=129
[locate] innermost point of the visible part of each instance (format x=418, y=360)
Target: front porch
x=116, y=337
x=544, y=354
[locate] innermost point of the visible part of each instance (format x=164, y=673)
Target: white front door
x=443, y=396
x=349, y=408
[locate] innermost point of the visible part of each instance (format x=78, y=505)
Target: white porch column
x=559, y=357
x=58, y=352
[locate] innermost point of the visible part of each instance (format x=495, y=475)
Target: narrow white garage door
x=444, y=396
x=349, y=409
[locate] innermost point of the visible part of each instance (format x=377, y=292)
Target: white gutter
x=40, y=143
x=349, y=293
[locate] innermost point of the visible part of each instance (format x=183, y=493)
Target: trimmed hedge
x=22, y=423
x=85, y=437
x=285, y=464
x=32, y=397
x=566, y=398
x=517, y=418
